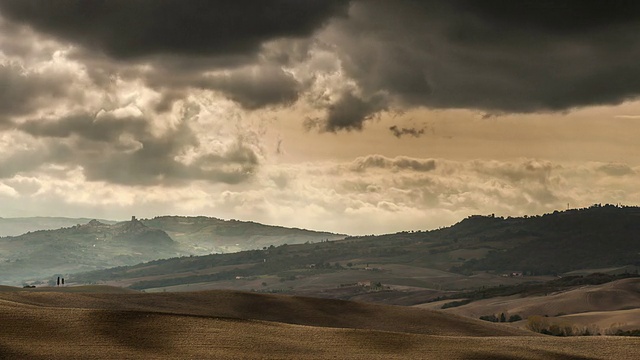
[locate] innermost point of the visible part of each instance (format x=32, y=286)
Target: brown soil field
x=106, y=324
x=264, y=307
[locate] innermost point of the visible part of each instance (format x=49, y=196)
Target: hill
x=613, y=304
x=57, y=325
x=597, y=237
x=410, y=267
x=205, y=235
x=21, y=225
x=94, y=245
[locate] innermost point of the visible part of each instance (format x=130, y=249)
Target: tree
x=514, y=318
x=503, y=318
x=537, y=323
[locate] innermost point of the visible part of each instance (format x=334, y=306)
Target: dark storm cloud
x=22, y=91
x=256, y=87
x=125, y=151
x=129, y=29
x=351, y=111
x=494, y=56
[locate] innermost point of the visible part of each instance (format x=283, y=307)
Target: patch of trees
x=544, y=325
x=619, y=332
x=453, y=304
x=501, y=318
x=602, y=236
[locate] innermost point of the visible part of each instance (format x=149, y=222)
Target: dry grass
x=64, y=325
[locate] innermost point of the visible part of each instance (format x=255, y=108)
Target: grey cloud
x=22, y=92
x=616, y=169
x=397, y=163
x=23, y=161
x=399, y=132
x=88, y=126
x=494, y=56
x=350, y=111
x=129, y=29
x=256, y=87
x=525, y=171
x=99, y=145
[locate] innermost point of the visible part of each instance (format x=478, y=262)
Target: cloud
x=349, y=59
x=398, y=163
x=350, y=111
x=628, y=116
x=129, y=29
x=616, y=169
x=493, y=56
x=332, y=196
x=24, y=91
x=399, y=132
x=256, y=87
x=128, y=150
x=235, y=48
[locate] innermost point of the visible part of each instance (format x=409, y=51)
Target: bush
x=537, y=323
x=491, y=318
x=514, y=318
x=635, y=332
x=455, y=303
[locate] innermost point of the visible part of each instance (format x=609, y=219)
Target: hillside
x=598, y=237
x=47, y=253
x=230, y=325
x=205, y=235
x=409, y=267
x=605, y=307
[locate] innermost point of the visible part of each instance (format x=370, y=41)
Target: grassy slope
x=73, y=331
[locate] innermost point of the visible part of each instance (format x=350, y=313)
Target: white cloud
x=324, y=196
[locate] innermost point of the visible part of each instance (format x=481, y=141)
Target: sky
x=358, y=117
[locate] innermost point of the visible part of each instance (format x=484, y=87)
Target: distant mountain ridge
x=201, y=235
x=21, y=225
x=99, y=244
x=91, y=246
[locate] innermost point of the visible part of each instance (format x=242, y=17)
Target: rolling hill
x=59, y=324
x=94, y=245
x=22, y=225
x=202, y=235
x=413, y=266
x=603, y=308
x=97, y=245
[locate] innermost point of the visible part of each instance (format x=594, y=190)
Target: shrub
x=455, y=303
x=514, y=318
x=537, y=323
x=491, y=318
